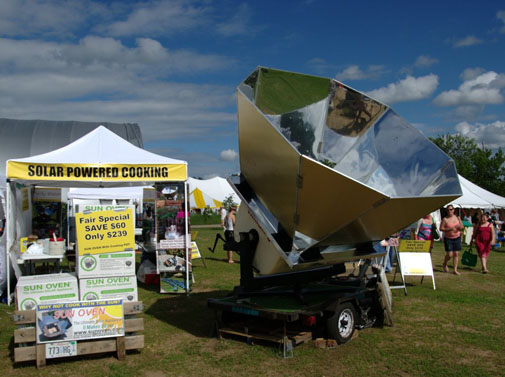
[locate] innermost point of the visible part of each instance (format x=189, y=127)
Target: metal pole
x=186, y=234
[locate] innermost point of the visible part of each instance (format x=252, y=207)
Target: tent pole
x=186, y=234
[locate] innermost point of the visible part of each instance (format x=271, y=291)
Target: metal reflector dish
x=325, y=168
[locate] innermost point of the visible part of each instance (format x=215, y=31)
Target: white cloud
x=501, y=16
x=98, y=53
x=467, y=41
x=425, y=61
x=468, y=112
x=408, y=89
x=160, y=18
x=491, y=134
x=471, y=73
x=354, y=72
x=228, y=155
x=484, y=89
x=102, y=79
x=49, y=17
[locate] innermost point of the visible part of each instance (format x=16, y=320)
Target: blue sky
x=173, y=66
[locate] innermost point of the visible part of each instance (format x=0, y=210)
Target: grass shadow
x=187, y=313
x=224, y=260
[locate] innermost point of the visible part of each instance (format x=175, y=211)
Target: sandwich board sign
x=415, y=259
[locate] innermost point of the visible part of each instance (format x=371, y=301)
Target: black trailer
x=320, y=303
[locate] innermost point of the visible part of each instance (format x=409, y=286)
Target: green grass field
x=455, y=330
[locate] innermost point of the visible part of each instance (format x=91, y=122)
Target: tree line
x=478, y=164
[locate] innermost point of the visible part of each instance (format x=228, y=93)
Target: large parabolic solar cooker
x=326, y=170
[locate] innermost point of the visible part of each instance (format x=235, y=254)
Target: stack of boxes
x=100, y=276
x=45, y=289
x=107, y=275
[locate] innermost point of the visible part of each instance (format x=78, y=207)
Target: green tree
x=228, y=202
x=476, y=163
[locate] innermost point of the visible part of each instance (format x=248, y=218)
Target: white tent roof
x=217, y=188
x=199, y=199
x=22, y=138
x=477, y=197
x=91, y=156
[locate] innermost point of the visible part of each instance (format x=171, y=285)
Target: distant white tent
x=214, y=191
x=496, y=201
x=477, y=197
x=201, y=200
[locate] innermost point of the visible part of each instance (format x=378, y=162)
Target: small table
x=32, y=259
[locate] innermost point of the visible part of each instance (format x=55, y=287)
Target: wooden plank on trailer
x=89, y=347
x=250, y=335
x=120, y=348
x=25, y=354
x=24, y=335
x=133, y=324
x=84, y=347
x=134, y=342
x=305, y=336
x=135, y=307
x=41, y=355
x=24, y=317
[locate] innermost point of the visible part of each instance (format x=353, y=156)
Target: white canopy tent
x=214, y=189
x=99, y=159
x=3, y=237
x=22, y=138
x=477, y=197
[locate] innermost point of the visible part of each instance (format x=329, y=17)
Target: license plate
x=61, y=349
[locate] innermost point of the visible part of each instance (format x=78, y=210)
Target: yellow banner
x=414, y=246
x=105, y=231
x=96, y=172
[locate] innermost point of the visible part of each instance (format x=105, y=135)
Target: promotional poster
x=80, y=320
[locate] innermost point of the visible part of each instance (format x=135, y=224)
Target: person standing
x=451, y=227
x=229, y=223
x=484, y=237
x=424, y=230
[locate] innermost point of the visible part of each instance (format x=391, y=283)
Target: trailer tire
x=341, y=325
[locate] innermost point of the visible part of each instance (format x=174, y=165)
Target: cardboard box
x=124, y=287
x=104, y=265
x=44, y=289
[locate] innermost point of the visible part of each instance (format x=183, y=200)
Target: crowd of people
x=487, y=230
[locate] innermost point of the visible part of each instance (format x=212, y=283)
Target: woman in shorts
x=451, y=227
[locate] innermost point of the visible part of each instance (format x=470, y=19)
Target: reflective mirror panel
x=325, y=160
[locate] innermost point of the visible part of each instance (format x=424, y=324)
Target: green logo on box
x=88, y=263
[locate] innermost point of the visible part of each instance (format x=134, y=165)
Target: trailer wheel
x=340, y=326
